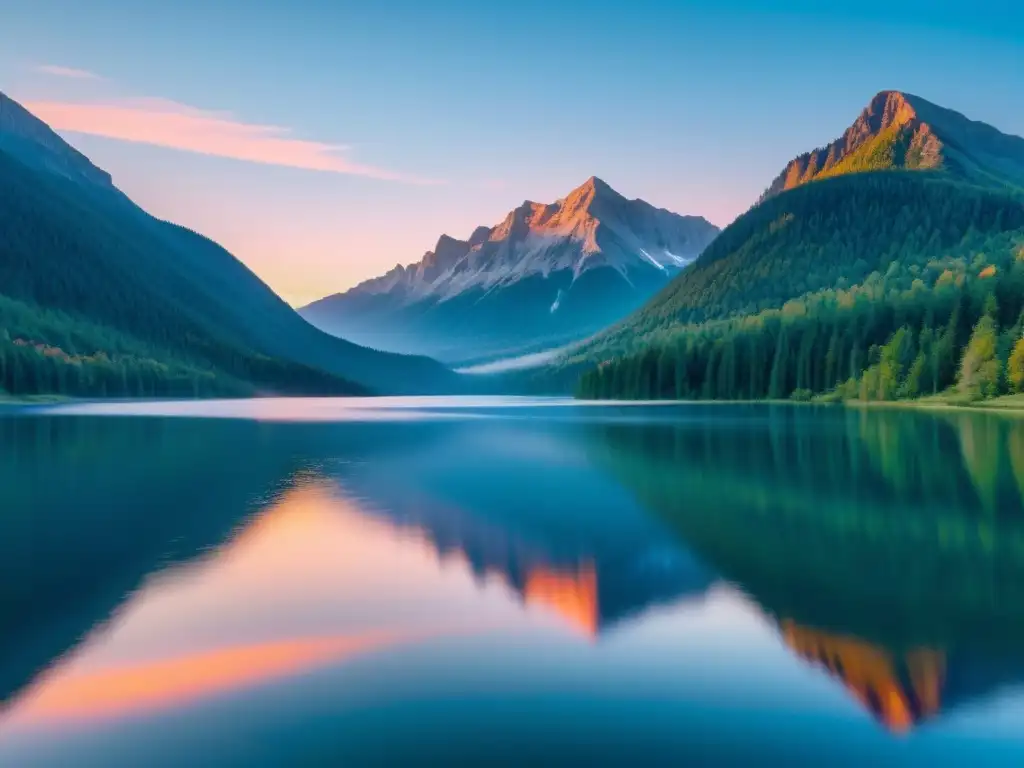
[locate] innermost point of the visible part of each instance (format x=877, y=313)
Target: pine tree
x=777, y=385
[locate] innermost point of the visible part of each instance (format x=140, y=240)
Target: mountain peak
x=546, y=272
x=900, y=131
x=480, y=235
x=445, y=242
x=888, y=111
x=594, y=184
x=592, y=189
x=545, y=275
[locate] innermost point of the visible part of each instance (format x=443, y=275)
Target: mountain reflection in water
x=150, y=564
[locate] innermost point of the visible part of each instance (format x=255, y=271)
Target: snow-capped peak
x=592, y=227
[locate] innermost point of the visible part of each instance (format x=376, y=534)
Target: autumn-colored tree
x=979, y=367
x=1015, y=367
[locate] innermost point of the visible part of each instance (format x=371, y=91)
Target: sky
x=325, y=141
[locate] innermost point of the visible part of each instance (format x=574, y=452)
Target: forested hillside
x=846, y=280
x=830, y=234
x=99, y=298
x=64, y=302
x=50, y=352
x=923, y=325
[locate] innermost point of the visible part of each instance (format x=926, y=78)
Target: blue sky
x=400, y=120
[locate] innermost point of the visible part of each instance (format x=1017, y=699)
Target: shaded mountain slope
x=75, y=245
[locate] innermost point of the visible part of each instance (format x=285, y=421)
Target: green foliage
x=883, y=152
x=882, y=506
x=113, y=273
x=854, y=344
x=1015, y=367
x=872, y=288
x=50, y=352
x=913, y=384
x=895, y=358
x=979, y=366
x=879, y=231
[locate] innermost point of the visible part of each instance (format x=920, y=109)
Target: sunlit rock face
x=900, y=131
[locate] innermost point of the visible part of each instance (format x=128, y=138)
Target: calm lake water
x=324, y=582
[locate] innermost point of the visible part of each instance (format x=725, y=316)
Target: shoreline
x=1011, y=405
x=981, y=406
x=22, y=400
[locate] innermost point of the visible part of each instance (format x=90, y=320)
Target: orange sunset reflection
x=167, y=683
x=287, y=596
x=572, y=596
x=898, y=690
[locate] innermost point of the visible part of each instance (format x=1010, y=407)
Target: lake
x=332, y=582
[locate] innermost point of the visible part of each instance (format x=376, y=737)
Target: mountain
x=545, y=276
x=98, y=297
x=863, y=250
x=901, y=131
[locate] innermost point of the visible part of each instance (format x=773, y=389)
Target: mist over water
x=519, y=363
x=358, y=582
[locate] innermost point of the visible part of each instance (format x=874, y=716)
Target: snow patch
x=653, y=261
x=558, y=301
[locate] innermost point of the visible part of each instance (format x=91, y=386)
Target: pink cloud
x=165, y=123
x=71, y=72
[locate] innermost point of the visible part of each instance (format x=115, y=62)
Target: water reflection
x=888, y=547
x=899, y=690
x=89, y=508
x=279, y=600
x=160, y=569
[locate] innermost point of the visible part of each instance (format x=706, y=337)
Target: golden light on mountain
x=573, y=595
x=898, y=691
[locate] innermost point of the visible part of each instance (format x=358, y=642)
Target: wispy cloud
x=165, y=123
x=71, y=72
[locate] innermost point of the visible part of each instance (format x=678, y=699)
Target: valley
x=579, y=383
x=868, y=270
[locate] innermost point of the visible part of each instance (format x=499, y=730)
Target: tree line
x=895, y=336
x=45, y=351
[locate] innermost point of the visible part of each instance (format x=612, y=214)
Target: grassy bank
x=947, y=401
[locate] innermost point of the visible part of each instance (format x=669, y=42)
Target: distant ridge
x=545, y=275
